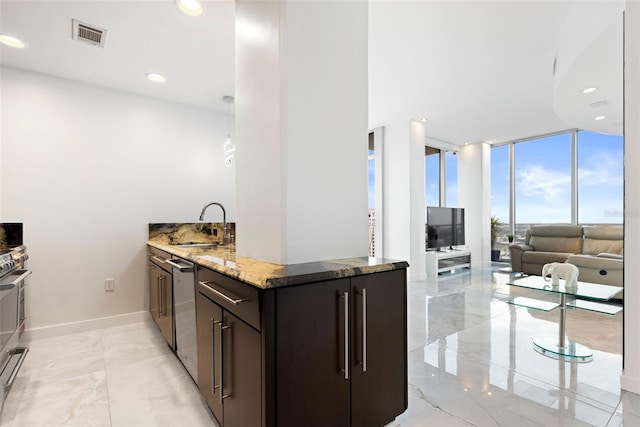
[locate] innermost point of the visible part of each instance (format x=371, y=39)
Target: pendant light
x=229, y=148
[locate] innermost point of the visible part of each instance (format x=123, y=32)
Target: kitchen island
x=319, y=343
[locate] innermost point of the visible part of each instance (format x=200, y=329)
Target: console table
x=561, y=346
x=447, y=260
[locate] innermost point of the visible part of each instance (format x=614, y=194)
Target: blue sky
x=543, y=179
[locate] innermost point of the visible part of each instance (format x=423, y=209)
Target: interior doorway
x=374, y=182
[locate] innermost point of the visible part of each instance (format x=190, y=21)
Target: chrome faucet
x=226, y=236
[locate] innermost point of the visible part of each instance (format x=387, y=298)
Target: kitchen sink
x=198, y=245
x=218, y=260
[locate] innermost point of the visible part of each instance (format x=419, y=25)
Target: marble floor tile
x=630, y=403
x=74, y=401
x=471, y=362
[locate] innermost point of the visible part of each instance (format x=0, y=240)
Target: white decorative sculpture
x=561, y=270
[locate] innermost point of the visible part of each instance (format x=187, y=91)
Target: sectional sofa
x=597, y=251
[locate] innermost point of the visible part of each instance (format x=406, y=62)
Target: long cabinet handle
x=159, y=296
x=222, y=395
x=364, y=329
x=213, y=356
x=163, y=295
x=232, y=299
x=221, y=362
x=160, y=260
x=345, y=298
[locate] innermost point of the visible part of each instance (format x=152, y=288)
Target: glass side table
x=561, y=346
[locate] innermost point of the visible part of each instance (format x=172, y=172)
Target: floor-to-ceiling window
x=432, y=176
x=371, y=177
x=600, y=178
x=543, y=181
x=500, y=186
x=440, y=177
x=375, y=179
x=451, y=179
x=573, y=177
x=500, y=190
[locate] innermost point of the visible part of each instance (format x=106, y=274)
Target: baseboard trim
x=83, y=326
x=630, y=384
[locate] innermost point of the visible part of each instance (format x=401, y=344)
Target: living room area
x=472, y=355
x=474, y=334
x=472, y=360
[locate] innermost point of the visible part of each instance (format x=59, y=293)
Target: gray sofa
x=597, y=251
x=601, y=260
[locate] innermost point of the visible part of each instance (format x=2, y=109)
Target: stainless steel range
x=12, y=316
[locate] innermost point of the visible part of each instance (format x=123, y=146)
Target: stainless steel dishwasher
x=184, y=304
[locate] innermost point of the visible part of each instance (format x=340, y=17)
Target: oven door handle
x=20, y=278
x=22, y=352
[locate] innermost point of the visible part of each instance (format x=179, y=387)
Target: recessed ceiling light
x=589, y=90
x=156, y=78
x=423, y=119
x=600, y=118
x=11, y=41
x=466, y=143
x=190, y=7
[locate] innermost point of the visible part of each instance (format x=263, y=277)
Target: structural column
x=474, y=194
x=630, y=379
x=301, y=130
x=404, y=203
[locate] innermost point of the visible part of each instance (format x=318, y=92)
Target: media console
x=447, y=260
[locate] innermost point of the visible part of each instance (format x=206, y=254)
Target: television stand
x=447, y=260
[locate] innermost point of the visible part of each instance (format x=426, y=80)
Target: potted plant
x=510, y=238
x=495, y=229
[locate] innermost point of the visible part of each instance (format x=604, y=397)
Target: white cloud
x=537, y=181
x=601, y=168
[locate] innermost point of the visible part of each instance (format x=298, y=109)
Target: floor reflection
x=472, y=361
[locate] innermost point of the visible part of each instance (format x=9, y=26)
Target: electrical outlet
x=109, y=285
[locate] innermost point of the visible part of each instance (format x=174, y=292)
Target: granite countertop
x=265, y=275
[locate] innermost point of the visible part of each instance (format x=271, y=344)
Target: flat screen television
x=445, y=227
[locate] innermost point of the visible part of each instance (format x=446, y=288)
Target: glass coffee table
x=561, y=346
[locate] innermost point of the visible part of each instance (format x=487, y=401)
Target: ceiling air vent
x=88, y=33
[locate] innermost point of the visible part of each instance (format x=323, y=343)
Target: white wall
x=630, y=379
x=86, y=169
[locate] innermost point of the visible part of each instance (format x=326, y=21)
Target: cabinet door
x=165, y=311
x=154, y=291
x=208, y=319
x=312, y=387
x=379, y=374
x=241, y=378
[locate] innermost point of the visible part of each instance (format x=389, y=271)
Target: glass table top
x=584, y=289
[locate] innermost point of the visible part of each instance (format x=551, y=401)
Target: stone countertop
x=265, y=275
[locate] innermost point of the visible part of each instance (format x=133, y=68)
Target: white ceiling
x=479, y=70
x=195, y=54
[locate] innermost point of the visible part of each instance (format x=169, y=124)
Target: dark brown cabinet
x=379, y=375
x=341, y=349
x=161, y=295
x=310, y=337
x=330, y=353
x=208, y=321
x=229, y=358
